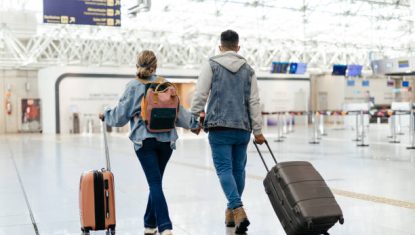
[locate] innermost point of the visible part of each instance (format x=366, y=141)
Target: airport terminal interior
x=335, y=80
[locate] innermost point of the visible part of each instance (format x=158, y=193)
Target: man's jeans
x=229, y=157
x=153, y=156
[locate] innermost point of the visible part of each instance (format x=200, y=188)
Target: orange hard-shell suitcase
x=96, y=197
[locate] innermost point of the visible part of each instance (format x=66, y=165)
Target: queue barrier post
x=322, y=127
x=284, y=125
x=357, y=128
x=318, y=125
x=279, y=129
x=412, y=130
x=399, y=127
x=338, y=121
x=291, y=123
x=314, y=140
x=394, y=134
x=362, y=137
x=391, y=120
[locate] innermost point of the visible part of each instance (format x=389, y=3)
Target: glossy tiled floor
x=374, y=186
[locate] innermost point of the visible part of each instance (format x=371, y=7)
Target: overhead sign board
x=86, y=12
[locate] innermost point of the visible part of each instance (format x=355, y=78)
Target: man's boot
x=229, y=220
x=241, y=220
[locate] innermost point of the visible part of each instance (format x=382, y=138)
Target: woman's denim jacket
x=129, y=108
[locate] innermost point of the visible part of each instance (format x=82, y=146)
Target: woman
x=153, y=149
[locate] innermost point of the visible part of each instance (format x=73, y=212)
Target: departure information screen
x=403, y=64
x=86, y=12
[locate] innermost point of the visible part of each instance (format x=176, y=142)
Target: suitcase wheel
x=111, y=230
x=86, y=230
x=341, y=220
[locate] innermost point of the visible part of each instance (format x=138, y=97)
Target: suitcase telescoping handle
x=107, y=154
x=262, y=157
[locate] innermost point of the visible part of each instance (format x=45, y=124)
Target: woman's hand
x=101, y=116
x=196, y=131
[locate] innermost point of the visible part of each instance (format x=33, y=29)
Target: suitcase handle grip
x=262, y=157
x=107, y=155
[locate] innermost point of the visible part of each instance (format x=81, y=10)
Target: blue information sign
x=365, y=83
x=350, y=82
x=87, y=12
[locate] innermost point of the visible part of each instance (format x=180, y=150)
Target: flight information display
x=354, y=70
x=86, y=12
x=339, y=70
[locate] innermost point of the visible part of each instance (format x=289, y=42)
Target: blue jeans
x=153, y=156
x=229, y=157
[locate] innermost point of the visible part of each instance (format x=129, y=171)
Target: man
x=233, y=112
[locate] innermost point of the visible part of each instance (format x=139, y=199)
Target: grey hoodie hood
x=230, y=60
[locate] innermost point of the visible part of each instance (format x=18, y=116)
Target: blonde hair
x=146, y=64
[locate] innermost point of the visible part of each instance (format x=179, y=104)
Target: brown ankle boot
x=241, y=220
x=229, y=220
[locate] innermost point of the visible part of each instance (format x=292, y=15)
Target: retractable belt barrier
x=372, y=113
x=285, y=123
x=282, y=127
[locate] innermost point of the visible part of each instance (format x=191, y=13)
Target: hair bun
x=146, y=64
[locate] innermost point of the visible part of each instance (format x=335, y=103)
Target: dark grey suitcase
x=300, y=197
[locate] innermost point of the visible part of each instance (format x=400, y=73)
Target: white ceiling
x=323, y=27
x=371, y=23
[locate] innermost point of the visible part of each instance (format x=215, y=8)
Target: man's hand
x=260, y=139
x=201, y=119
x=101, y=116
x=200, y=124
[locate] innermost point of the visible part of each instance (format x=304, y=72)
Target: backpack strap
x=160, y=79
x=157, y=89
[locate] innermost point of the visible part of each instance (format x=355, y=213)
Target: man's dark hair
x=229, y=39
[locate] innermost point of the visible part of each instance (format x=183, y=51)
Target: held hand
x=260, y=139
x=200, y=124
x=202, y=118
x=101, y=116
x=196, y=131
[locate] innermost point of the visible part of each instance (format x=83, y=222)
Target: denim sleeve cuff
x=257, y=132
